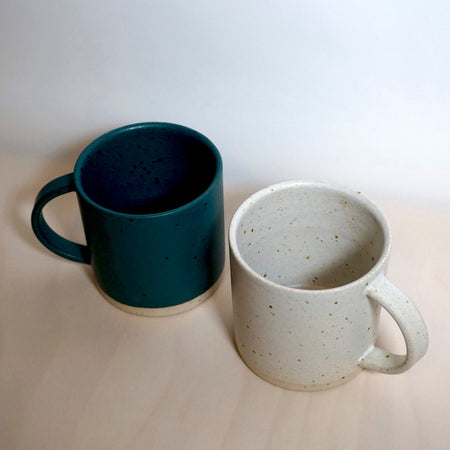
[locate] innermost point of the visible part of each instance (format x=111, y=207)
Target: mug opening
x=147, y=168
x=309, y=236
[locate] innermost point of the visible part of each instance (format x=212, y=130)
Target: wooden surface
x=78, y=373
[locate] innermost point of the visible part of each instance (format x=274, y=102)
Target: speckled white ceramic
x=308, y=263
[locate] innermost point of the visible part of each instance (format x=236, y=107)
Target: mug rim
x=355, y=195
x=146, y=125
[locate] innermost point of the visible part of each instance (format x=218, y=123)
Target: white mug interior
x=309, y=236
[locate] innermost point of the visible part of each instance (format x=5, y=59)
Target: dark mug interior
x=147, y=168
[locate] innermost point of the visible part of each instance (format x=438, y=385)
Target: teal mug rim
x=146, y=125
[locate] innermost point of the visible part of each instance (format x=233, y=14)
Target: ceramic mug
x=308, y=263
x=151, y=202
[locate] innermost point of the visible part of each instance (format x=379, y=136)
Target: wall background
x=350, y=92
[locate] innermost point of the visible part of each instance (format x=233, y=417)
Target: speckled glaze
x=151, y=201
x=308, y=263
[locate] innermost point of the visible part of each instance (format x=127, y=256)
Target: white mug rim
x=355, y=195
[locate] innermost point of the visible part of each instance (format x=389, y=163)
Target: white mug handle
x=411, y=324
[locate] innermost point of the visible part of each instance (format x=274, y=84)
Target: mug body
x=151, y=200
x=301, y=257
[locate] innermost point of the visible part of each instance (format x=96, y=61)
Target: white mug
x=308, y=263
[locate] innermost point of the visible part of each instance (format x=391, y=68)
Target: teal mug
x=151, y=203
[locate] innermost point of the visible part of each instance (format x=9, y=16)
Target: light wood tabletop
x=78, y=373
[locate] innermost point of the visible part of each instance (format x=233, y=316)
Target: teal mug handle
x=53, y=241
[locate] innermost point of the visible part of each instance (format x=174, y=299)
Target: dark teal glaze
x=151, y=200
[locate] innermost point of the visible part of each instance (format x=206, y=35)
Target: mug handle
x=53, y=241
x=411, y=324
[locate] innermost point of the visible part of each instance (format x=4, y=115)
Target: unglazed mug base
x=165, y=311
x=302, y=387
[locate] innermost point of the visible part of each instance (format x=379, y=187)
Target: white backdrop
x=350, y=92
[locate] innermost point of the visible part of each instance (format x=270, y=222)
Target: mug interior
x=147, y=168
x=309, y=236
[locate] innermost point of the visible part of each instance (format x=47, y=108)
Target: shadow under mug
x=308, y=263
x=151, y=202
